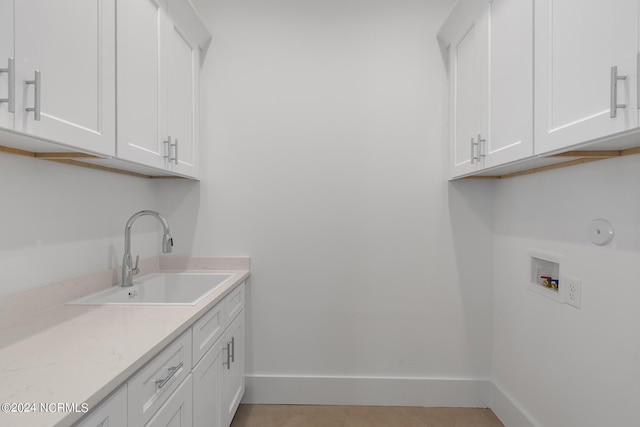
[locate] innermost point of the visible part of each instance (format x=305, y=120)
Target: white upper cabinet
x=141, y=79
x=468, y=86
x=158, y=84
x=64, y=81
x=530, y=79
x=182, y=101
x=490, y=48
x=578, y=44
x=511, y=82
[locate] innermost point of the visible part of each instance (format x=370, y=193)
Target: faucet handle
x=135, y=269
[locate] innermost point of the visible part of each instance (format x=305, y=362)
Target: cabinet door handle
x=175, y=152
x=481, y=147
x=228, y=362
x=474, y=150
x=36, y=82
x=167, y=149
x=11, y=85
x=614, y=91
x=172, y=371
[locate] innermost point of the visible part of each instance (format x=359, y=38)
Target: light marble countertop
x=80, y=354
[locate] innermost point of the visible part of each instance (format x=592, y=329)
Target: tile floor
x=361, y=416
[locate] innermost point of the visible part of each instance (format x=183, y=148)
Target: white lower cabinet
x=232, y=381
x=218, y=378
x=177, y=411
x=206, y=389
x=110, y=413
x=196, y=381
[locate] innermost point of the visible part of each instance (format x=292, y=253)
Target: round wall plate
x=600, y=232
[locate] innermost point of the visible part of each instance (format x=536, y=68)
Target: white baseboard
x=264, y=389
x=510, y=413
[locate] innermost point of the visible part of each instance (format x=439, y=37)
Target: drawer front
x=206, y=331
x=234, y=303
x=153, y=385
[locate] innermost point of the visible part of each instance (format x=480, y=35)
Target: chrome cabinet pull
x=474, y=150
x=481, y=147
x=614, y=91
x=11, y=85
x=172, y=371
x=36, y=95
x=167, y=148
x=174, y=159
x=228, y=362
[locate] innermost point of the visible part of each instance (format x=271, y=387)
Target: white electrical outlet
x=573, y=291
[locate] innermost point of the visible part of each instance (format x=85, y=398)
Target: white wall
x=60, y=221
x=323, y=159
x=566, y=367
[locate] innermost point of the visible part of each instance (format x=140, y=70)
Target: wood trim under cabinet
x=73, y=159
x=583, y=157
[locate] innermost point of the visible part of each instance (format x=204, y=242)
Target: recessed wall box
x=545, y=275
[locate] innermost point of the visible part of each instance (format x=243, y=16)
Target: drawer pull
x=172, y=372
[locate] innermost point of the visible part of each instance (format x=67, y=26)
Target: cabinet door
x=72, y=45
x=6, y=52
x=576, y=44
x=469, y=102
x=511, y=69
x=182, y=103
x=177, y=410
x=141, y=81
x=110, y=413
x=206, y=389
x=232, y=369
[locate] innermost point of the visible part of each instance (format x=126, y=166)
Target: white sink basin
x=159, y=289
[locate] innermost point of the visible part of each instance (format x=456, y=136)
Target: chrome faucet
x=128, y=270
